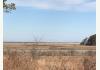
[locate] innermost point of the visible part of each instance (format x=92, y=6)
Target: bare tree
x=37, y=40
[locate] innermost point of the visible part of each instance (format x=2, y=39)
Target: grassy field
x=45, y=56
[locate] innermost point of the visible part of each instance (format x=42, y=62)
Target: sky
x=50, y=20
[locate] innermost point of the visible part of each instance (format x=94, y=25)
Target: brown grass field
x=45, y=56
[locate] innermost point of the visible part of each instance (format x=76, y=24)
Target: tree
x=84, y=41
x=91, y=41
x=37, y=41
x=7, y=7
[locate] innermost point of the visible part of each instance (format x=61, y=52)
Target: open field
x=49, y=56
x=43, y=45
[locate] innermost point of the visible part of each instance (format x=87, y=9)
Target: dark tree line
x=7, y=7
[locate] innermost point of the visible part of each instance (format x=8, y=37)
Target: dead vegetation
x=15, y=59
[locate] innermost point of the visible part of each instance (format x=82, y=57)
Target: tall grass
x=15, y=60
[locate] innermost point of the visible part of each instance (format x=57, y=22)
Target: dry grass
x=48, y=45
x=21, y=60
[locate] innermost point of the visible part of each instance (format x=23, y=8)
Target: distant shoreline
x=42, y=42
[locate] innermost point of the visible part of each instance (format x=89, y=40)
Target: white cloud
x=40, y=5
x=63, y=5
x=86, y=7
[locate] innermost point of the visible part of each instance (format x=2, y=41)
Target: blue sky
x=50, y=20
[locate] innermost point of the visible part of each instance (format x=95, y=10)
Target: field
x=49, y=56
